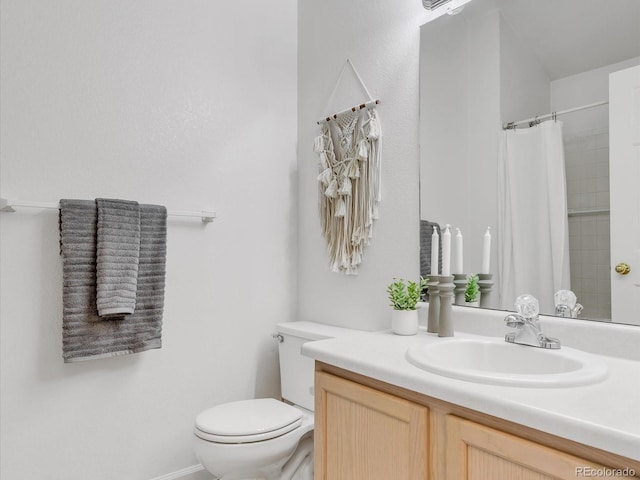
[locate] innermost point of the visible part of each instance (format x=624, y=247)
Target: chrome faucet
x=567, y=311
x=566, y=304
x=528, y=330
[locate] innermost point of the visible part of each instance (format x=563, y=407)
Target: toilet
x=266, y=438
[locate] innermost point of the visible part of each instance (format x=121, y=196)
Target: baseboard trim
x=183, y=474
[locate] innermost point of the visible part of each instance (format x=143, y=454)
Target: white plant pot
x=404, y=322
x=472, y=304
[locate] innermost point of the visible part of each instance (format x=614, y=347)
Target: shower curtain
x=533, y=227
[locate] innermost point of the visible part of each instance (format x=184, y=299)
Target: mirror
x=500, y=61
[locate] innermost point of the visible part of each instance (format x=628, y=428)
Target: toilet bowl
x=254, y=439
x=267, y=438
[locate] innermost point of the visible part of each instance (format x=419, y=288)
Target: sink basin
x=494, y=361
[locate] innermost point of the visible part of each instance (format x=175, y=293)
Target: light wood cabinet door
x=477, y=452
x=365, y=434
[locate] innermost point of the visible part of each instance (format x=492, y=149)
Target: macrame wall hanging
x=349, y=148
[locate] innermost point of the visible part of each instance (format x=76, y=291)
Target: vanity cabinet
x=366, y=429
x=476, y=452
x=364, y=434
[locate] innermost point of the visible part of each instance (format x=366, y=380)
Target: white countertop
x=604, y=415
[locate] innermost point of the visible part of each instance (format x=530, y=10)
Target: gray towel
x=84, y=334
x=151, y=275
x=426, y=230
x=117, y=256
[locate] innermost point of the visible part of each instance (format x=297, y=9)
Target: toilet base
x=280, y=458
x=297, y=466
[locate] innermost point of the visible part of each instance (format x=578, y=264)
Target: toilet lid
x=247, y=421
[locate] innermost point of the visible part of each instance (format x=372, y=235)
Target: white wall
x=190, y=104
x=382, y=38
x=583, y=89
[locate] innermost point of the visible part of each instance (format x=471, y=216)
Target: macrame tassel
x=332, y=189
x=352, y=170
x=345, y=189
x=318, y=144
x=373, y=129
x=325, y=177
x=363, y=150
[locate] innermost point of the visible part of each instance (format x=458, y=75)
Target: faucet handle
x=527, y=305
x=577, y=310
x=565, y=297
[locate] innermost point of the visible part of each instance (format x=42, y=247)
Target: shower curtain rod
x=7, y=205
x=538, y=119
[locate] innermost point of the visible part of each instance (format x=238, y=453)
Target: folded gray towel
x=84, y=334
x=426, y=230
x=117, y=256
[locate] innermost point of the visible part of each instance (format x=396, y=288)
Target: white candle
x=435, y=247
x=486, y=251
x=458, y=264
x=446, y=251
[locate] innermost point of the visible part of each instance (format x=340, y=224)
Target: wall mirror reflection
x=560, y=191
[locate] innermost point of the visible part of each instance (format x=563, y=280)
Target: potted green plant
x=472, y=292
x=404, y=296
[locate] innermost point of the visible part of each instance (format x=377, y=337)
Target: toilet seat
x=247, y=421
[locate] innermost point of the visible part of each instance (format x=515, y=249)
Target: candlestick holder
x=460, y=281
x=445, y=320
x=485, y=283
x=434, y=303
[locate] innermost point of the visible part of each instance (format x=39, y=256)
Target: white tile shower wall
x=587, y=166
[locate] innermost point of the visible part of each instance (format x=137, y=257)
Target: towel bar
x=7, y=205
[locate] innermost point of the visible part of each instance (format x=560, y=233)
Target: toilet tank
x=296, y=370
